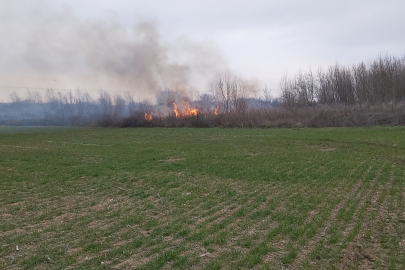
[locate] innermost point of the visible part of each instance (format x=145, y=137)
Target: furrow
x=332, y=217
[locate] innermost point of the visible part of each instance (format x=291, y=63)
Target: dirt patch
x=72, y=200
x=13, y=231
x=322, y=148
x=313, y=213
x=91, y=159
x=225, y=213
x=282, y=207
x=109, y=203
x=170, y=160
x=71, y=251
x=5, y=215
x=99, y=224
x=60, y=219
x=327, y=149
x=135, y=261
x=19, y=146
x=354, y=256
x=81, y=259
x=275, y=256
x=222, y=212
x=121, y=243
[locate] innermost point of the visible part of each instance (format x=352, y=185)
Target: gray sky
x=140, y=46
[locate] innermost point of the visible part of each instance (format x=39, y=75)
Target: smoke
x=47, y=46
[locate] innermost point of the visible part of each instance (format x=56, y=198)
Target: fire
x=216, y=110
x=189, y=112
x=186, y=112
x=175, y=110
x=148, y=116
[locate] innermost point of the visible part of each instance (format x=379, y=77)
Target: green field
x=94, y=198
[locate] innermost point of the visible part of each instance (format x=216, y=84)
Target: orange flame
x=148, y=116
x=175, y=110
x=216, y=111
x=186, y=112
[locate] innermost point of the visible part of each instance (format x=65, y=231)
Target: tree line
x=364, y=94
x=379, y=81
x=78, y=108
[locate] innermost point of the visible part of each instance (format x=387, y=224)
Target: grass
x=92, y=198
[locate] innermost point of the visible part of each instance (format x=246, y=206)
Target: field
x=100, y=198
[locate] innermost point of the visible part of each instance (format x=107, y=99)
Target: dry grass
x=317, y=116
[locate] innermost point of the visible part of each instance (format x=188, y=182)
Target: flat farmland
x=100, y=198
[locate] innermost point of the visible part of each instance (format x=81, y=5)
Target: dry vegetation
x=335, y=115
x=364, y=95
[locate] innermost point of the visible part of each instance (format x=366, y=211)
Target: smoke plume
x=51, y=47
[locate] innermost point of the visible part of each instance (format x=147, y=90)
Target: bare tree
x=131, y=104
x=231, y=93
x=14, y=97
x=222, y=92
x=106, y=107
x=207, y=101
x=119, y=107
x=380, y=81
x=33, y=97
x=288, y=93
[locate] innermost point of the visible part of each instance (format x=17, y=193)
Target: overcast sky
x=139, y=46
